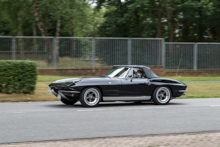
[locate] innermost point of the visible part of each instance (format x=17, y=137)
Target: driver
x=139, y=74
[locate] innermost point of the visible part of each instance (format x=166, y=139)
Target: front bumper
x=183, y=90
x=63, y=93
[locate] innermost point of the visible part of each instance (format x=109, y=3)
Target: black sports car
x=122, y=83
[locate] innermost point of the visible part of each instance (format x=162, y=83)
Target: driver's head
x=139, y=73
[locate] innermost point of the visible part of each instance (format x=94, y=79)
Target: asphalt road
x=40, y=121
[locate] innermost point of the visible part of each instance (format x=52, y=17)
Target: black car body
x=122, y=83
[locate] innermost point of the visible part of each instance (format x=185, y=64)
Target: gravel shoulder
x=180, y=140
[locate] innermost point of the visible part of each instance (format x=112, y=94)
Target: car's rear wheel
x=90, y=97
x=68, y=102
x=161, y=96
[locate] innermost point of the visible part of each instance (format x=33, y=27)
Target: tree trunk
x=185, y=30
x=41, y=25
x=73, y=42
x=170, y=20
x=35, y=34
x=159, y=33
x=58, y=32
x=46, y=19
x=20, y=33
x=218, y=32
x=218, y=20
x=42, y=28
x=200, y=24
x=154, y=16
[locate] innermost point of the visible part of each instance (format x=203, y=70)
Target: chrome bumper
x=183, y=90
x=60, y=93
x=51, y=92
x=68, y=91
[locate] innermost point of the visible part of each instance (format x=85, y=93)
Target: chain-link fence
x=179, y=54
x=90, y=52
x=192, y=56
x=80, y=52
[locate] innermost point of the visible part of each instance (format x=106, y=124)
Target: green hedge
x=17, y=76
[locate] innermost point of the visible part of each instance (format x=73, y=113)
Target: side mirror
x=130, y=76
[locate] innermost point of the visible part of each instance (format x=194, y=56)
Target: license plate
x=59, y=96
x=49, y=91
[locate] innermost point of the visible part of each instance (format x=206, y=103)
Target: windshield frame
x=124, y=76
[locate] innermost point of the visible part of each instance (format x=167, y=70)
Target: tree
x=174, y=20
x=159, y=26
x=15, y=14
x=170, y=19
x=40, y=23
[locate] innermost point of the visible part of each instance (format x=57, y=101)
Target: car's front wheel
x=90, y=97
x=161, y=95
x=68, y=102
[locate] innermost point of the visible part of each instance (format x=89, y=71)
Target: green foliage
x=132, y=18
x=85, y=19
x=17, y=76
x=193, y=21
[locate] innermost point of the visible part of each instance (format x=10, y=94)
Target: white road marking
x=31, y=111
x=99, y=109
x=214, y=105
x=107, y=109
x=84, y=110
x=19, y=112
x=92, y=110
x=155, y=107
x=143, y=108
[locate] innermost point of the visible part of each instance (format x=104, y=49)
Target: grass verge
x=40, y=94
x=44, y=78
x=194, y=78
x=202, y=90
x=196, y=90
x=71, y=63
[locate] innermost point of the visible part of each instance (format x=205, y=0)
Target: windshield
x=118, y=72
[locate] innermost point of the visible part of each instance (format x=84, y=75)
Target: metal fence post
x=54, y=52
x=195, y=54
x=93, y=52
x=163, y=53
x=13, y=48
x=129, y=51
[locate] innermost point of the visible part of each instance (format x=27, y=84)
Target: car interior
x=139, y=73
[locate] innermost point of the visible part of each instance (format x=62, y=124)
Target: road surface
x=42, y=121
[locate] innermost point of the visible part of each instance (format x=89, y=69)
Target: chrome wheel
x=163, y=95
x=91, y=97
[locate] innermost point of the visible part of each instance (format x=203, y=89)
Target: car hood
x=73, y=81
x=65, y=82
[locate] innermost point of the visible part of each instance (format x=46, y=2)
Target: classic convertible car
x=122, y=83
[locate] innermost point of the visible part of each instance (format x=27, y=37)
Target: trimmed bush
x=17, y=76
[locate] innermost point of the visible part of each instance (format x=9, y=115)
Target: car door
x=142, y=87
x=128, y=87
x=134, y=86
x=111, y=87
